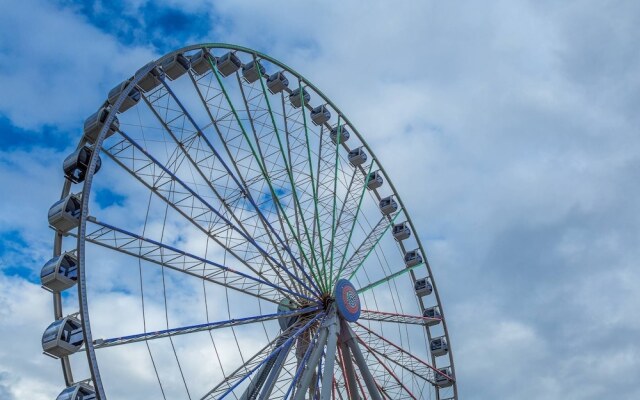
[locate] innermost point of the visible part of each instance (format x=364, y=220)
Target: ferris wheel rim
x=82, y=295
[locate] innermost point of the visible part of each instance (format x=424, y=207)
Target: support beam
x=349, y=339
x=265, y=394
x=348, y=372
x=307, y=376
x=330, y=357
x=265, y=373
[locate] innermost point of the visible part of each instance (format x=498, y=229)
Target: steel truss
x=279, y=215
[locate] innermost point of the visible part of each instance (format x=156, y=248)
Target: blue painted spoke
x=251, y=200
x=276, y=199
x=237, y=379
x=212, y=209
x=126, y=243
x=99, y=343
x=285, y=246
x=307, y=354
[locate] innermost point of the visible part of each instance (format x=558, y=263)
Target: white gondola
x=228, y=64
x=175, y=66
x=444, y=378
x=439, y=346
x=295, y=99
x=423, y=287
x=412, y=258
x=277, y=82
x=374, y=180
x=320, y=115
x=344, y=134
x=64, y=214
x=388, y=205
x=75, y=166
x=151, y=80
x=60, y=273
x=200, y=62
x=357, y=156
x=131, y=100
x=251, y=71
x=401, y=231
x=63, y=337
x=78, y=391
x=93, y=125
x=432, y=312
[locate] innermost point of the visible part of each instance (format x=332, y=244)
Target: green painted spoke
x=388, y=278
x=306, y=132
x=291, y=181
x=353, y=225
x=241, y=178
x=335, y=196
x=262, y=168
x=380, y=235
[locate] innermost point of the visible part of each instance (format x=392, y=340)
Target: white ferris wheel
x=268, y=252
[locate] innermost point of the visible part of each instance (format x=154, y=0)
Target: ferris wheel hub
x=347, y=300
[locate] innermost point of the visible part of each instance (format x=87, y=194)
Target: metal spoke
x=184, y=115
x=287, y=166
x=100, y=343
x=246, y=194
x=301, y=359
x=371, y=315
x=262, y=169
x=314, y=359
x=353, y=225
x=187, y=202
x=397, y=355
x=261, y=357
x=389, y=278
x=266, y=226
x=204, y=157
x=391, y=386
x=357, y=259
x=153, y=251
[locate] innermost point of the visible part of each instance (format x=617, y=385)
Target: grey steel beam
x=350, y=341
x=349, y=372
x=330, y=357
x=314, y=359
x=275, y=372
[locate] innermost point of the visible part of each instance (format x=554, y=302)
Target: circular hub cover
x=347, y=300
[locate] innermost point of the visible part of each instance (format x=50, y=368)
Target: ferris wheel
x=231, y=235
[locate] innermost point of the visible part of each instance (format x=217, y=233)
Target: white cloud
x=518, y=119
x=59, y=73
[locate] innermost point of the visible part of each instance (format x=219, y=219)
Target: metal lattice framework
x=236, y=201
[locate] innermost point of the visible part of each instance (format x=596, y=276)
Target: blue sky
x=518, y=122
